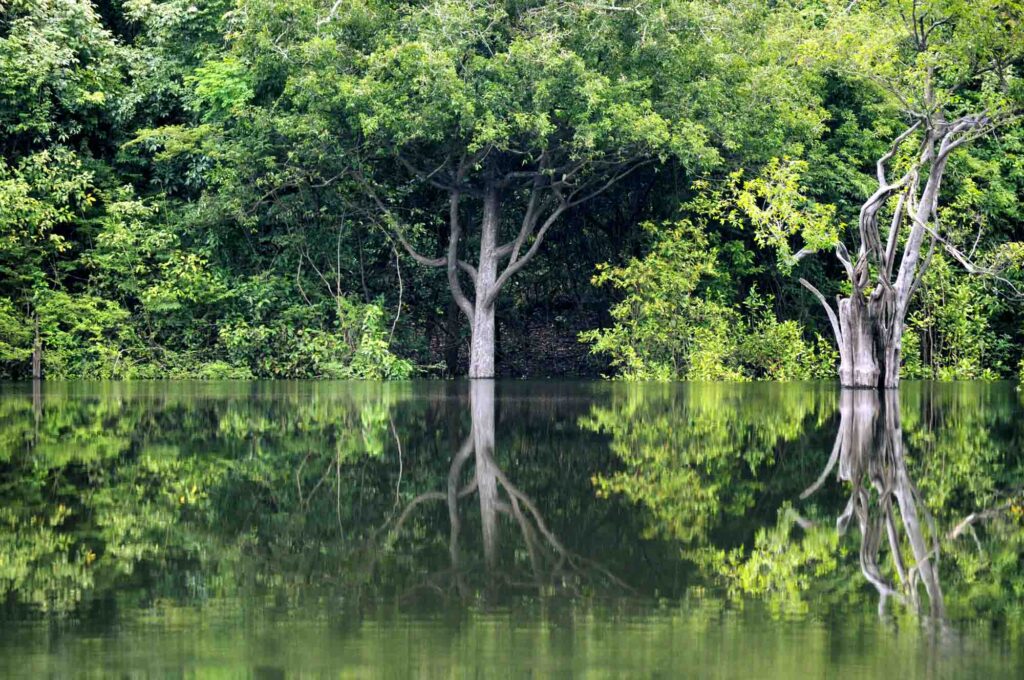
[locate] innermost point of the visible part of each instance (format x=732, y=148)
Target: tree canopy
x=381, y=189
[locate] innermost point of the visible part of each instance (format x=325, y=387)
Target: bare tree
x=869, y=323
x=950, y=71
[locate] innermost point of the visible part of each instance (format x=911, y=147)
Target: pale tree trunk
x=869, y=323
x=481, y=350
x=37, y=354
x=870, y=340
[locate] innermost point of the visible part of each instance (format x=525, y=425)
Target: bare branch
x=976, y=517
x=966, y=263
x=802, y=253
x=833, y=319
x=514, y=266
x=604, y=187
x=832, y=459
x=396, y=231
x=517, y=263
x=320, y=22
x=529, y=222
x=894, y=228
x=431, y=261
x=454, y=234
x=893, y=148
x=423, y=175
x=843, y=255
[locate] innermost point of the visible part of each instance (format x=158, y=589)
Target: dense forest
x=673, y=189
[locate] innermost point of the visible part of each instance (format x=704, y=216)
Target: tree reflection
x=194, y=491
x=204, y=490
x=550, y=566
x=697, y=456
x=112, y=485
x=869, y=450
x=927, y=510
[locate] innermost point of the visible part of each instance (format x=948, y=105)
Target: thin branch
x=893, y=148
x=833, y=319
x=454, y=234
x=400, y=237
x=320, y=22
x=530, y=216
x=398, y=311
x=423, y=175
x=832, y=459
x=514, y=266
x=965, y=261
x=604, y=187
x=976, y=517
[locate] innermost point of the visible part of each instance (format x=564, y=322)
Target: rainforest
x=673, y=190
x=512, y=338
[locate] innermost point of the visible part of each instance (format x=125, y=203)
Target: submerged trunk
x=481, y=349
x=869, y=342
x=37, y=354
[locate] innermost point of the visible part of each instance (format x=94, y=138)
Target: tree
x=516, y=114
x=948, y=70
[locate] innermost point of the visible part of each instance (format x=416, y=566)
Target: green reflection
x=926, y=504
x=591, y=521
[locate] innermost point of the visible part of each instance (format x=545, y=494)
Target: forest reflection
x=805, y=497
x=921, y=488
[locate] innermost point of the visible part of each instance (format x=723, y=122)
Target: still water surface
x=511, y=529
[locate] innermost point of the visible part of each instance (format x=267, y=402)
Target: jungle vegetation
x=663, y=189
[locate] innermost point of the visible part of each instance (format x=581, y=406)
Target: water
x=538, y=529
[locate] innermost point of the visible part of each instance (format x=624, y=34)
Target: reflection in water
x=271, y=523
x=552, y=567
x=870, y=454
x=931, y=481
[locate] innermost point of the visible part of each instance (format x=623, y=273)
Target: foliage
x=778, y=209
x=676, y=319
x=213, y=189
x=953, y=330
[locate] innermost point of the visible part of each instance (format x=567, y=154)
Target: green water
x=516, y=529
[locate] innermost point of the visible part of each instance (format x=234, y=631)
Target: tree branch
x=423, y=175
x=396, y=231
x=529, y=222
x=432, y=261
x=516, y=265
x=893, y=148
x=454, y=234
x=833, y=319
x=604, y=187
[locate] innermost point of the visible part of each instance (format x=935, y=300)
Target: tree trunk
x=481, y=351
x=451, y=339
x=870, y=457
x=37, y=354
x=870, y=341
